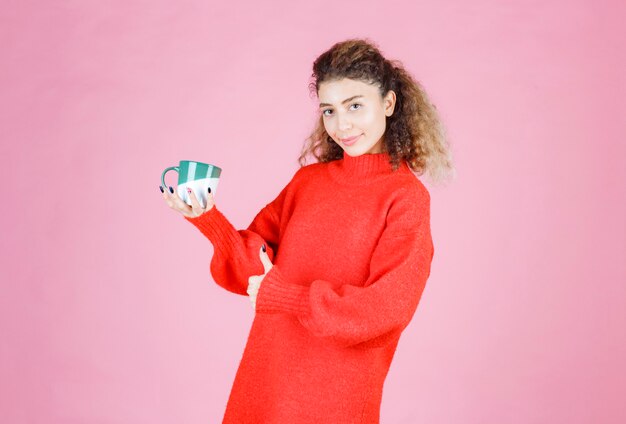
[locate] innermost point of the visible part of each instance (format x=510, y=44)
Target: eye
x=330, y=110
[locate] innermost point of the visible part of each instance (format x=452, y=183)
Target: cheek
x=380, y=117
x=372, y=120
x=329, y=127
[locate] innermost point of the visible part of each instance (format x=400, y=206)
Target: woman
x=336, y=264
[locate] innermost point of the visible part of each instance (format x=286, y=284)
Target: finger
x=265, y=259
x=210, y=200
x=177, y=203
x=165, y=192
x=253, y=293
x=168, y=196
x=253, y=285
x=195, y=204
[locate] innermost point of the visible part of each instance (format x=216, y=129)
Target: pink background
x=108, y=312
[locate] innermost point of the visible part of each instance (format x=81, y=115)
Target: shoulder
x=409, y=208
x=298, y=178
x=409, y=189
x=305, y=172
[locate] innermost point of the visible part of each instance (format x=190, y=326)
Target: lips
x=350, y=141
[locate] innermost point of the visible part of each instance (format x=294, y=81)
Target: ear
x=389, y=102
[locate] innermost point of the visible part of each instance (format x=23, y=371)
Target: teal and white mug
x=198, y=176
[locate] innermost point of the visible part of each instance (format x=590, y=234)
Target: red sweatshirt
x=351, y=249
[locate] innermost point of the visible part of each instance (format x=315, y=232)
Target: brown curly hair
x=413, y=133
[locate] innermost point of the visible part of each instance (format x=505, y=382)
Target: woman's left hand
x=254, y=281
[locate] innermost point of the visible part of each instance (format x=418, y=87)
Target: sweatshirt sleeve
x=236, y=252
x=374, y=314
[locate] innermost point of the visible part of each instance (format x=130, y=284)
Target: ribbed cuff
x=276, y=294
x=217, y=228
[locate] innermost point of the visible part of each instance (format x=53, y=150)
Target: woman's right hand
x=175, y=202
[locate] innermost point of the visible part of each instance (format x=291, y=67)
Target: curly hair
x=413, y=133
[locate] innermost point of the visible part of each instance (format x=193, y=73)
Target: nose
x=343, y=123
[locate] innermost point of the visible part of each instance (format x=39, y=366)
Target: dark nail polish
x=161, y=188
x=264, y=249
x=209, y=189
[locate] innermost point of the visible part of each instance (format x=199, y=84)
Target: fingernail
x=263, y=247
x=209, y=189
x=188, y=190
x=161, y=188
x=171, y=189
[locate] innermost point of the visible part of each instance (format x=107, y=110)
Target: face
x=354, y=108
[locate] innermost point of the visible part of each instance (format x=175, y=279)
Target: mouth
x=350, y=140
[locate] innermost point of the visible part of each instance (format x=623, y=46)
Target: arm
x=375, y=314
x=236, y=252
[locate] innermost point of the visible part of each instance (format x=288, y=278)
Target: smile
x=350, y=141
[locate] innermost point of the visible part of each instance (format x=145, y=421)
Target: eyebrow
x=345, y=101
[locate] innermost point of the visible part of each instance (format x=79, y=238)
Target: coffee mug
x=197, y=176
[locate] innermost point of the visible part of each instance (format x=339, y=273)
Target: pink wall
x=108, y=313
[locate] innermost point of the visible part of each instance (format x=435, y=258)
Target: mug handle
x=171, y=168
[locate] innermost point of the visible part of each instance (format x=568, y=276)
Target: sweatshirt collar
x=357, y=170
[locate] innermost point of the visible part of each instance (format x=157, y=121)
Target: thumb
x=265, y=259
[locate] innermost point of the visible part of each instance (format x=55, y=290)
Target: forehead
x=337, y=91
